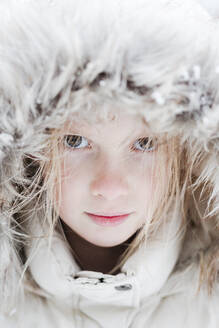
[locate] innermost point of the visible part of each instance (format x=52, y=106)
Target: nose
x=109, y=185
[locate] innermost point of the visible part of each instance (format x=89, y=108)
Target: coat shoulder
x=181, y=303
x=32, y=311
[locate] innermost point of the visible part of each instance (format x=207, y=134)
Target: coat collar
x=58, y=274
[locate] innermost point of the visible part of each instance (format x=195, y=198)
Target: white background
x=212, y=6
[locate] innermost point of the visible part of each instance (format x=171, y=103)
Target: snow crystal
x=6, y=138
x=184, y=76
x=102, y=83
x=197, y=72
x=158, y=98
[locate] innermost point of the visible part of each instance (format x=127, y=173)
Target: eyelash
x=149, y=143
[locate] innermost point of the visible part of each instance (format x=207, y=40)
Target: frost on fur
x=63, y=57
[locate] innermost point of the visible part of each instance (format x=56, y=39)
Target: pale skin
x=108, y=170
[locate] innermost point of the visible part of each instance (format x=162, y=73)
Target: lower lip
x=108, y=221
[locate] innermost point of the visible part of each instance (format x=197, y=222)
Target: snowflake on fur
x=197, y=97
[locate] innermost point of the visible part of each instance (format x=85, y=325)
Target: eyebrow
x=82, y=129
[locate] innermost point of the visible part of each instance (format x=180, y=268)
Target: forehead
x=113, y=120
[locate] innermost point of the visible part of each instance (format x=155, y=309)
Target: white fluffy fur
x=51, y=56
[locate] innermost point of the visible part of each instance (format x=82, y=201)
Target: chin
x=106, y=242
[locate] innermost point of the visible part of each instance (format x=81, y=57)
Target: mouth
x=108, y=220
x=109, y=215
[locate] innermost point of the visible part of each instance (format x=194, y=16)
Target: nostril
x=109, y=188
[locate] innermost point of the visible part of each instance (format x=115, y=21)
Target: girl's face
x=107, y=168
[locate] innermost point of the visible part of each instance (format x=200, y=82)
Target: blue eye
x=146, y=144
x=79, y=142
x=75, y=142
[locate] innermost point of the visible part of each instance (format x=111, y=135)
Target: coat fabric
x=159, y=58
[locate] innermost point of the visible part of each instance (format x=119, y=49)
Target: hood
x=158, y=58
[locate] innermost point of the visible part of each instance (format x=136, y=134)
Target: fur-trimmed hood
x=159, y=58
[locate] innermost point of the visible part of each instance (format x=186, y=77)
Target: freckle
x=112, y=117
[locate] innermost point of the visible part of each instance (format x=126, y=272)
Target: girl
x=109, y=156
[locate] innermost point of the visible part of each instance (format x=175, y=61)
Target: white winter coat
x=144, y=294
x=157, y=57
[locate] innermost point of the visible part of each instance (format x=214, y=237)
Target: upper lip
x=109, y=214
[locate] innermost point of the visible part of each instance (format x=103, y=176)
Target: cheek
x=70, y=200
x=147, y=183
x=72, y=185
x=75, y=168
x=144, y=171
